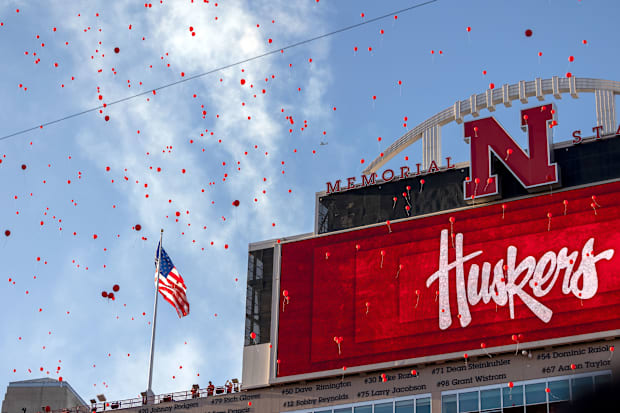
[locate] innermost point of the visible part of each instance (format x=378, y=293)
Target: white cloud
x=172, y=117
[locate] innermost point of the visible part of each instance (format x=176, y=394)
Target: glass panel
x=490, y=399
x=602, y=381
x=468, y=402
x=423, y=405
x=384, y=408
x=448, y=403
x=363, y=409
x=343, y=410
x=404, y=406
x=582, y=386
x=513, y=396
x=558, y=391
x=535, y=393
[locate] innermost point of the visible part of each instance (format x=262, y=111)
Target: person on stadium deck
x=228, y=386
x=210, y=389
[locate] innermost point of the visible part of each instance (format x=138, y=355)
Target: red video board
x=539, y=268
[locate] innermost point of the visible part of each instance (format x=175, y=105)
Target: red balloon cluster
x=110, y=295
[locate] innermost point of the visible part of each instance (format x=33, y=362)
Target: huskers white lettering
x=539, y=275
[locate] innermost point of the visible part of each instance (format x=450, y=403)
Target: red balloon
x=116, y=288
x=138, y=227
x=452, y=220
x=116, y=50
x=242, y=81
x=252, y=335
x=528, y=33
x=285, y=293
x=7, y=233
x=24, y=167
x=571, y=58
x=422, y=181
x=111, y=296
x=104, y=294
x=236, y=203
x=511, y=385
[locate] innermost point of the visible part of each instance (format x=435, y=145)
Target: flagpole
x=149, y=390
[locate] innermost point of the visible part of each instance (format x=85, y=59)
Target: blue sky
x=52, y=279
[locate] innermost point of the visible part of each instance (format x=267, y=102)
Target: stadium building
x=485, y=286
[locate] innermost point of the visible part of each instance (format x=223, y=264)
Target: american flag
x=171, y=284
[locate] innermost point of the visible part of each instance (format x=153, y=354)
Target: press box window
x=258, y=296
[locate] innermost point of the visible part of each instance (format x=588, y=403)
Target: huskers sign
x=541, y=268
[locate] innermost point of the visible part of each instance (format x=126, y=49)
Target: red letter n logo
x=532, y=170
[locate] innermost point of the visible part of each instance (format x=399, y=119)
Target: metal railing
x=156, y=399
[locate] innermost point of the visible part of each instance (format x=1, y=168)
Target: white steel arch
x=430, y=130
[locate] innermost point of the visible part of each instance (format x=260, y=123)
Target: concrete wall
x=35, y=395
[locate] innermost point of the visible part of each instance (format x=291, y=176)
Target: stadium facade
x=490, y=285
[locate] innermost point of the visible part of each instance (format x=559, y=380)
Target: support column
x=431, y=146
x=605, y=110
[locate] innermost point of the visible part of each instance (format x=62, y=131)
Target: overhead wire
x=219, y=69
